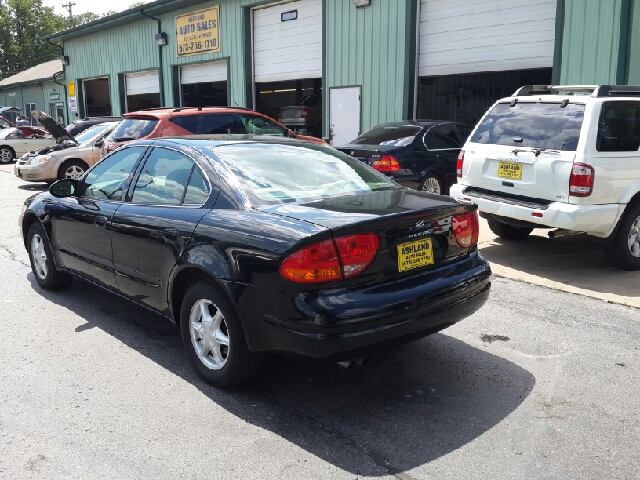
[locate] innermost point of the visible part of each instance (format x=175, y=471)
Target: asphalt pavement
x=540, y=383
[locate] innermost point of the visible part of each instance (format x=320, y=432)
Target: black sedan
x=418, y=154
x=256, y=245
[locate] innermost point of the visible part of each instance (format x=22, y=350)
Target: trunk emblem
x=353, y=152
x=420, y=224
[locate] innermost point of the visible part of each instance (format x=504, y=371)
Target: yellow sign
x=198, y=32
x=72, y=89
x=415, y=254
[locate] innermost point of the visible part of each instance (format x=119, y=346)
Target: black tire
x=508, y=232
x=78, y=168
x=238, y=362
x=48, y=278
x=432, y=184
x=7, y=154
x=619, y=253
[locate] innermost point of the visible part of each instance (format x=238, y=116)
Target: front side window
x=255, y=125
x=109, y=179
x=391, y=135
x=271, y=174
x=533, y=125
x=619, y=127
x=133, y=129
x=442, y=137
x=163, y=178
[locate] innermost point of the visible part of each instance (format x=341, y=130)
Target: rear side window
x=188, y=123
x=255, y=125
x=534, y=125
x=133, y=129
x=392, y=135
x=619, y=127
x=442, y=137
x=164, y=178
x=197, y=190
x=219, y=124
x=464, y=133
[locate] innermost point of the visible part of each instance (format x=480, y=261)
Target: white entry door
x=344, y=110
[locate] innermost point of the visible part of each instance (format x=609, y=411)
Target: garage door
x=464, y=36
x=291, y=49
x=141, y=83
x=203, y=73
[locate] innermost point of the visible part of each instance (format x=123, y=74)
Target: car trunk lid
x=293, y=111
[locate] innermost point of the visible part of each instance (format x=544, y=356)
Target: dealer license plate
x=510, y=170
x=415, y=254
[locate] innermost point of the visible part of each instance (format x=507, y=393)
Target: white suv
x=561, y=157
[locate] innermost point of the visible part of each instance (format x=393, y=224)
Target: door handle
x=170, y=235
x=101, y=221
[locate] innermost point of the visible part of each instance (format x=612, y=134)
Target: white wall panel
x=203, y=73
x=464, y=36
x=288, y=50
x=143, y=82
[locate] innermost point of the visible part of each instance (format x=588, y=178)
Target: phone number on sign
x=196, y=46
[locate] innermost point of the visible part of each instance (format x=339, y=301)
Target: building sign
x=198, y=32
x=12, y=94
x=73, y=104
x=72, y=89
x=54, y=96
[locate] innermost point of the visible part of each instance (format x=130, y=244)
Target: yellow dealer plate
x=415, y=254
x=510, y=170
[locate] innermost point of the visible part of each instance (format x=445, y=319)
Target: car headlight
x=39, y=159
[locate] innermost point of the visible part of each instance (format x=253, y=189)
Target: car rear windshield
x=535, y=125
x=310, y=100
x=133, y=129
x=390, y=135
x=271, y=174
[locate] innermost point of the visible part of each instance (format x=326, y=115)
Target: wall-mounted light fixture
x=361, y=3
x=64, y=59
x=161, y=38
x=286, y=16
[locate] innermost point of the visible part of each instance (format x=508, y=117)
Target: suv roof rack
x=179, y=109
x=594, y=90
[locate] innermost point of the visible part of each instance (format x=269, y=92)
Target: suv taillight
x=466, y=229
x=305, y=112
x=386, y=164
x=459, y=164
x=581, y=180
x=321, y=262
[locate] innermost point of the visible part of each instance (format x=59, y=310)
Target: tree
x=22, y=24
x=136, y=4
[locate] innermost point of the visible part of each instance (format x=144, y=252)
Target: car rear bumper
x=341, y=323
x=295, y=121
x=597, y=220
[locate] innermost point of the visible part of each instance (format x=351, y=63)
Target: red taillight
x=459, y=164
x=305, y=112
x=357, y=252
x=320, y=262
x=386, y=164
x=581, y=180
x=466, y=229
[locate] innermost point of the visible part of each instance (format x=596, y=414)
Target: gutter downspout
x=64, y=114
x=160, y=69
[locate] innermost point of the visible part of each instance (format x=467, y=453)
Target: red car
x=170, y=122
x=27, y=131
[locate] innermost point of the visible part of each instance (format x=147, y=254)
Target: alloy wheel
x=633, y=241
x=73, y=172
x=39, y=256
x=5, y=155
x=209, y=334
x=431, y=185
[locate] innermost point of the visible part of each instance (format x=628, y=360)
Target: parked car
x=28, y=131
x=78, y=126
x=417, y=154
x=562, y=157
x=304, y=116
x=168, y=122
x=68, y=159
x=13, y=143
x=261, y=245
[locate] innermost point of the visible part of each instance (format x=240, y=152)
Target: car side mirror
x=64, y=188
x=100, y=142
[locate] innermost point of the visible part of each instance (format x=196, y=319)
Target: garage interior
x=465, y=98
x=96, y=97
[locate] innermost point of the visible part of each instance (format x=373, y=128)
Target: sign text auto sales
x=198, y=32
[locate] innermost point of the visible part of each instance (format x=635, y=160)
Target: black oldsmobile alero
x=260, y=245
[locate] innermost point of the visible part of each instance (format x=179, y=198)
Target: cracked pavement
x=538, y=384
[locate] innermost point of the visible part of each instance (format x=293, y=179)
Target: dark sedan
x=418, y=154
x=257, y=244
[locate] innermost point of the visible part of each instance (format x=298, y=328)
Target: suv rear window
x=394, y=135
x=133, y=129
x=534, y=125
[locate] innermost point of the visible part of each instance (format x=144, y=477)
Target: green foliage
x=22, y=24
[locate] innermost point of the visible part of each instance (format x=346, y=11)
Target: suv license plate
x=510, y=170
x=415, y=254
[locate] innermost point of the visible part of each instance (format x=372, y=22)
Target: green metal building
x=363, y=62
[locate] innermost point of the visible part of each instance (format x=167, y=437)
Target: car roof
x=205, y=141
x=420, y=123
x=185, y=111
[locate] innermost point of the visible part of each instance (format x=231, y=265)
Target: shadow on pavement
x=35, y=187
x=402, y=409
x=573, y=260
